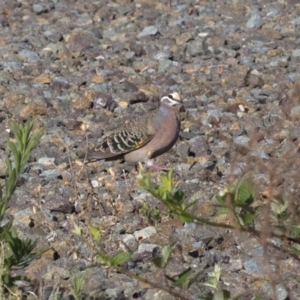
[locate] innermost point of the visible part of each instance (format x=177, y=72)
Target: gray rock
x=130, y=241
x=273, y=12
x=130, y=54
x=247, y=60
x=146, y=248
x=252, y=266
x=162, y=55
x=149, y=30
x=155, y=294
x=46, y=160
x=145, y=233
x=39, y=9
x=164, y=65
x=50, y=174
x=196, y=47
x=293, y=76
x=296, y=53
x=114, y=293
x=53, y=36
x=255, y=21
x=84, y=20
x=242, y=140
x=109, y=33
x=29, y=55
x=296, y=21
x=281, y=292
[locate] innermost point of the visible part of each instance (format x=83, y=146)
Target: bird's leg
x=151, y=165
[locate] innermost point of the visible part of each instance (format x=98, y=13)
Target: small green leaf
x=95, y=232
x=222, y=295
x=14, y=150
x=120, y=258
x=247, y=218
x=221, y=211
x=245, y=192
x=220, y=200
x=16, y=129
x=77, y=230
x=214, y=277
x=167, y=182
x=183, y=278
x=103, y=259
x=179, y=197
x=166, y=253
x=185, y=217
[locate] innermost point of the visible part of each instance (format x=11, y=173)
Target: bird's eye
x=171, y=96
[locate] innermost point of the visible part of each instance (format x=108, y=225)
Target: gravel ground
x=80, y=67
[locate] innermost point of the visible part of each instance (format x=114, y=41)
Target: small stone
x=138, y=97
x=149, y=30
x=164, y=65
x=50, y=174
x=33, y=109
x=196, y=47
x=255, y=81
x=146, y=248
x=100, y=99
x=29, y=56
x=296, y=53
x=163, y=55
x=98, y=79
x=95, y=183
x=247, y=60
x=80, y=40
x=145, y=233
x=295, y=113
x=184, y=38
x=43, y=78
x=114, y=293
x=53, y=36
x=296, y=21
x=254, y=22
x=39, y=9
x=109, y=33
x=84, y=20
x=252, y=266
x=46, y=161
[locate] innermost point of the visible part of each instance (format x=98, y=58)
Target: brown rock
x=43, y=78
x=80, y=40
x=33, y=109
x=183, y=38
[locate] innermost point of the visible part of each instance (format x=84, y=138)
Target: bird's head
x=172, y=99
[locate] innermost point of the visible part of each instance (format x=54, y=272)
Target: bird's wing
x=132, y=136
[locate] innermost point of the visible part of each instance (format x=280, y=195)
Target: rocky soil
x=82, y=67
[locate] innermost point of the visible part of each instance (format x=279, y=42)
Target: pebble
x=149, y=30
x=144, y=233
x=254, y=22
x=146, y=248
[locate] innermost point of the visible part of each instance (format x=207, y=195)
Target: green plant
x=152, y=215
x=116, y=261
x=238, y=202
x=15, y=251
x=77, y=283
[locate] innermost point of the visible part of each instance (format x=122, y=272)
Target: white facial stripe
x=169, y=101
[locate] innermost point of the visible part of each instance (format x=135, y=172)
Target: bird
x=144, y=138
